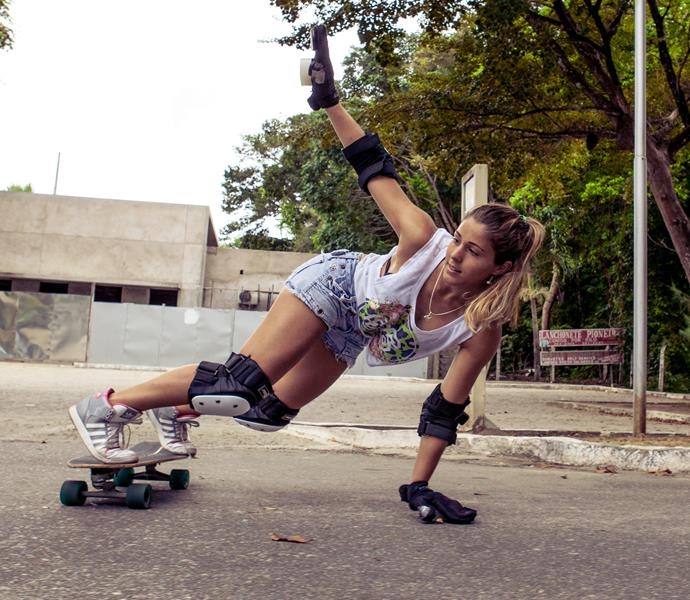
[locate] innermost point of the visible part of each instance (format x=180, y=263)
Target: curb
x=556, y=450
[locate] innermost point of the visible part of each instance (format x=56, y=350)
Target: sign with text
x=549, y=338
x=581, y=357
x=612, y=338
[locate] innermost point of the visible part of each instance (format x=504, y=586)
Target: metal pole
x=640, y=227
x=57, y=171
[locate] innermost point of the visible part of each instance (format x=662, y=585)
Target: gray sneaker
x=173, y=429
x=101, y=427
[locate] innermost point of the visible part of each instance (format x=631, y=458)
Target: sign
x=550, y=339
x=474, y=189
x=581, y=357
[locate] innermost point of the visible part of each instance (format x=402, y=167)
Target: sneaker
x=173, y=430
x=101, y=427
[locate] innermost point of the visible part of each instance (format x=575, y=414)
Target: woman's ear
x=502, y=269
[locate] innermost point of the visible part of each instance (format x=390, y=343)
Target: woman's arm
x=411, y=224
x=441, y=414
x=471, y=358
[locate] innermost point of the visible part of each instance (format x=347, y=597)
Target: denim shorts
x=326, y=285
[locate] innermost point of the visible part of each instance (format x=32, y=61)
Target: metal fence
x=71, y=328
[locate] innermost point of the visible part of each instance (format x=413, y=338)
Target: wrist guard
x=440, y=418
x=430, y=504
x=369, y=158
x=323, y=91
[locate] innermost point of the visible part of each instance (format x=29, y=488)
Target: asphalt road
x=542, y=532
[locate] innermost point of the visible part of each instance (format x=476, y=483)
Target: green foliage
x=261, y=240
x=298, y=177
x=6, y=39
x=542, y=93
x=19, y=188
x=684, y=301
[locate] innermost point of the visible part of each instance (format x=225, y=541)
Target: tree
x=294, y=173
x=444, y=102
x=524, y=45
x=5, y=31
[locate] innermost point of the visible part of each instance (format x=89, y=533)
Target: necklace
x=431, y=313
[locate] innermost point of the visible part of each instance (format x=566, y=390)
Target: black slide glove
x=323, y=92
x=431, y=504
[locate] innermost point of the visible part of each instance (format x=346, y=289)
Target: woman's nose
x=458, y=252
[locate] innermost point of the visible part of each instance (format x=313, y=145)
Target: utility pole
x=640, y=226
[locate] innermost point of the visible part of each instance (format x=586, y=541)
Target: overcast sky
x=143, y=99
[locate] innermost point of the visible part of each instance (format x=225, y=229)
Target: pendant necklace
x=431, y=313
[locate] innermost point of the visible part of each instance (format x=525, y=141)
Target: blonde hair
x=514, y=238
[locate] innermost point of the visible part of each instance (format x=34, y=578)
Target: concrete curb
x=555, y=450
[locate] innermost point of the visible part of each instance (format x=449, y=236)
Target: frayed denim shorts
x=326, y=284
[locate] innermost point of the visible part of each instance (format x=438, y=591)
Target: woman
x=432, y=291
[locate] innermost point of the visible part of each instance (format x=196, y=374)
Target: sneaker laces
x=181, y=428
x=118, y=434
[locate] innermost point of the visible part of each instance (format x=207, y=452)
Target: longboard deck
x=149, y=453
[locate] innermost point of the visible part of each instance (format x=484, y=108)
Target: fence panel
x=43, y=327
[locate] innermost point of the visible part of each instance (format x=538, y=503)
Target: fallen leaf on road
x=296, y=539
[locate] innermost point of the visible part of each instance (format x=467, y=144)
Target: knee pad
x=228, y=389
x=369, y=158
x=440, y=418
x=270, y=414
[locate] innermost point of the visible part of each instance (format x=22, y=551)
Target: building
x=131, y=252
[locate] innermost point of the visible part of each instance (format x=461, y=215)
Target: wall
x=231, y=270
x=106, y=241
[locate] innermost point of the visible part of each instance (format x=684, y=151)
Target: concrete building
x=131, y=252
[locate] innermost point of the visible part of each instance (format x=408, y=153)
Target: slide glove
x=323, y=92
x=430, y=504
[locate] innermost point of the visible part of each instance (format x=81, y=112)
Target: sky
x=143, y=100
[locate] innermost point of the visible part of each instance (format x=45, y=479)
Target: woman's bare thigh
x=284, y=336
x=316, y=371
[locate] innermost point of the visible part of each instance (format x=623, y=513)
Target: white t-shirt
x=386, y=306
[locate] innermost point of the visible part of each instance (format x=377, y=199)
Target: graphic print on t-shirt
x=388, y=325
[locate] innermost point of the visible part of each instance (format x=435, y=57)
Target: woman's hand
x=431, y=505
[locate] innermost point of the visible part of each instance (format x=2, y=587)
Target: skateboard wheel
x=138, y=495
x=179, y=479
x=72, y=493
x=124, y=477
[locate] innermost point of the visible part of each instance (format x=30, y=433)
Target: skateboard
x=116, y=481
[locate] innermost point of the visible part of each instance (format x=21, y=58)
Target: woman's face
x=470, y=257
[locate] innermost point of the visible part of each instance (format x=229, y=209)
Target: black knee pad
x=228, y=389
x=269, y=414
x=440, y=418
x=369, y=158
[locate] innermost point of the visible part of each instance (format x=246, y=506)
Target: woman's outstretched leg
x=283, y=337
